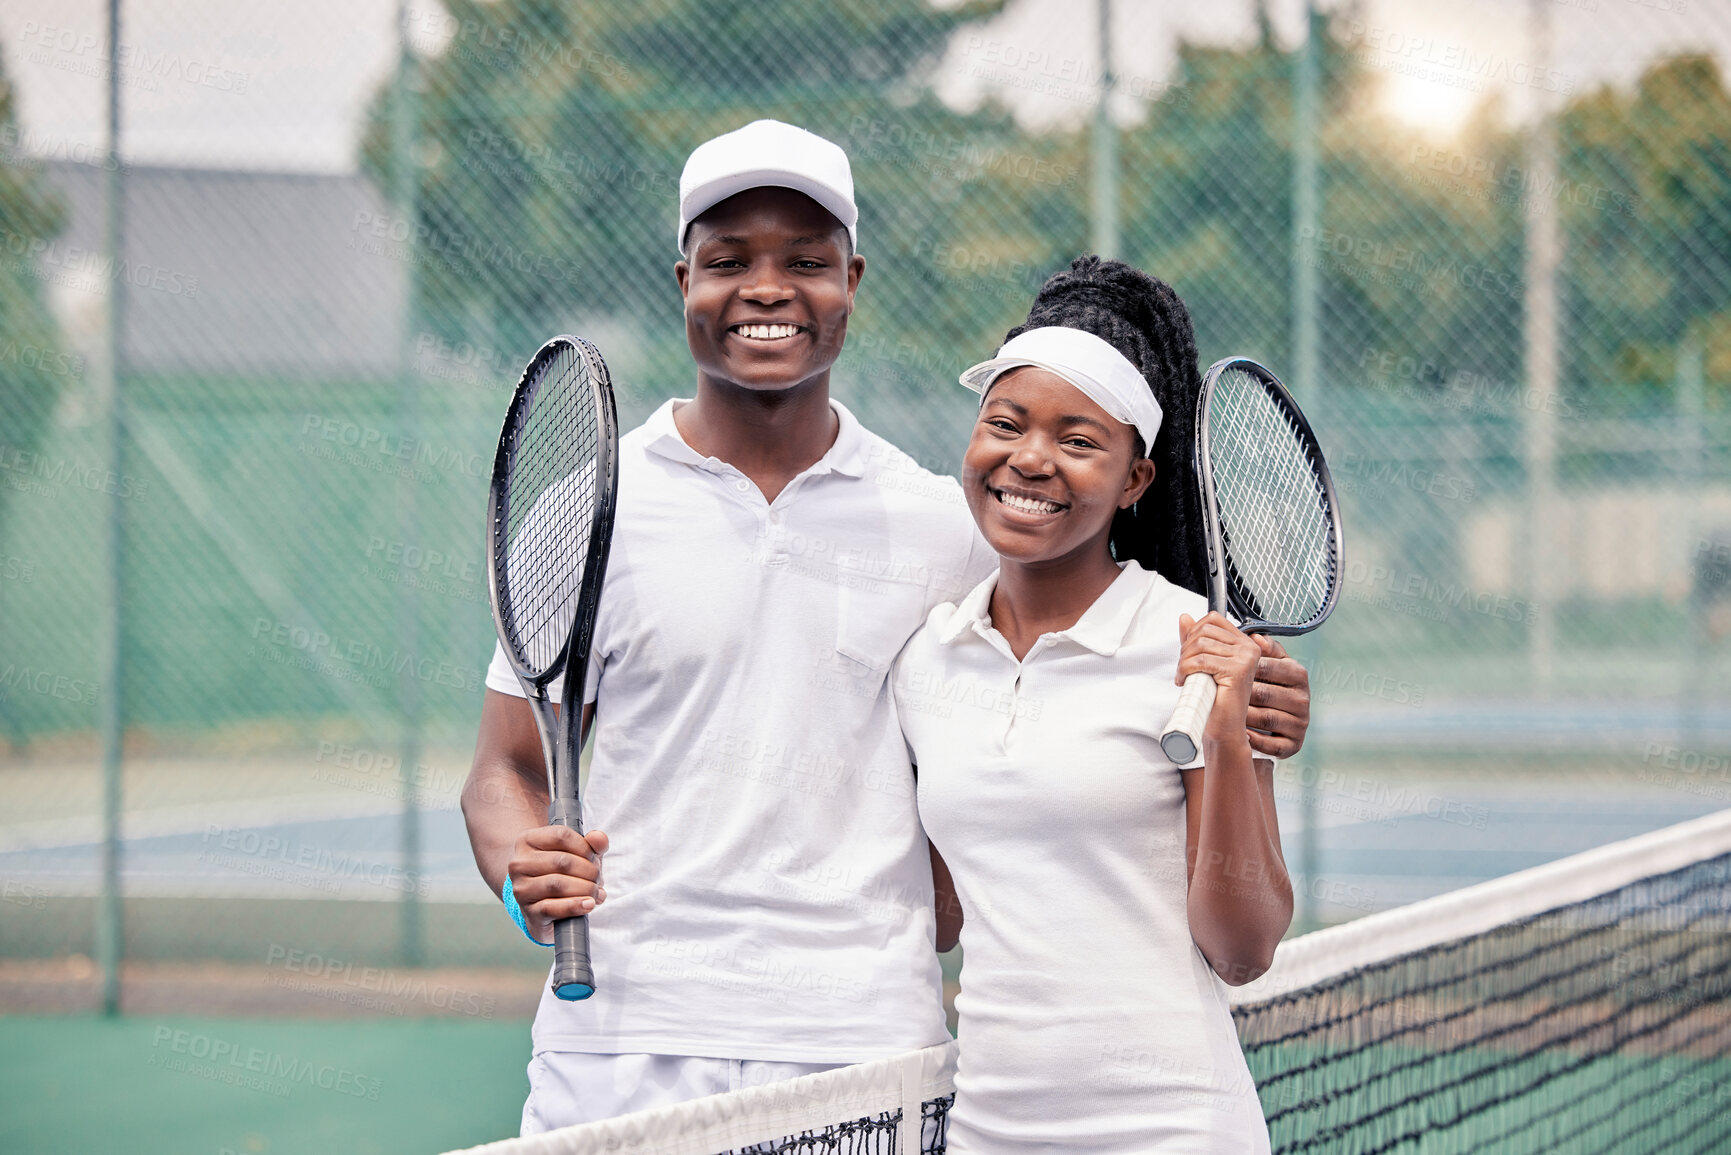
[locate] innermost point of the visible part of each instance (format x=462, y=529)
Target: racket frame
x=1181, y=739
x=560, y=729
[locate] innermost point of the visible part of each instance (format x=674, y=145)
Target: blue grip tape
x=516, y=913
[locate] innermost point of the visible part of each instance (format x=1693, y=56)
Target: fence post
x=1702, y=537
x=1105, y=148
x=1544, y=251
x=404, y=199
x=110, y=915
x=1305, y=212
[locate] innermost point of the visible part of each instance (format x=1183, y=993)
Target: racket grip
x=573, y=977
x=1182, y=738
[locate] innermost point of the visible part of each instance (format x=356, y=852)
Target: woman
x=1109, y=895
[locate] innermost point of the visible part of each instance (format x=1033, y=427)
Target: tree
x=34, y=363
x=1646, y=199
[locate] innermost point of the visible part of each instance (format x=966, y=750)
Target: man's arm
x=554, y=870
x=1279, y=701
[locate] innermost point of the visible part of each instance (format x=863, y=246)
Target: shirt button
x=742, y=485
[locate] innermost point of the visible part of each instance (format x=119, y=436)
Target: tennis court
x=180, y=1083
x=258, y=332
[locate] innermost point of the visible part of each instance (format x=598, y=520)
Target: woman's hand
x=556, y=873
x=1216, y=647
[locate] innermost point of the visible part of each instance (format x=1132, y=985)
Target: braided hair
x=1142, y=317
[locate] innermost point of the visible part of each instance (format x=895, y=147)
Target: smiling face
x=1046, y=469
x=768, y=290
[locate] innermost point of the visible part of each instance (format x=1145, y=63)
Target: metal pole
x=403, y=197
x=1692, y=460
x=1305, y=212
x=110, y=915
x=1544, y=248
x=1105, y=148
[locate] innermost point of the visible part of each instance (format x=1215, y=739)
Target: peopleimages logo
x=47, y=683
x=24, y=464
x=23, y=147
x=321, y=972
x=283, y=637
x=36, y=357
x=272, y=1072
x=1526, y=184
x=84, y=269
x=399, y=238
x=87, y=54
x=1413, y=268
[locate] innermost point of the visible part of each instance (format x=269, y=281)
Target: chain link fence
x=248, y=400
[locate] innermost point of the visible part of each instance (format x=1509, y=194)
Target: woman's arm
x=947, y=905
x=1240, y=898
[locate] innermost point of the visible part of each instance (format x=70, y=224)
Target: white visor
x=1104, y=375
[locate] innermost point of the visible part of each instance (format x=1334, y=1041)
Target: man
x=769, y=900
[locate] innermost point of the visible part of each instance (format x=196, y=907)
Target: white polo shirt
x=1089, y=1020
x=768, y=887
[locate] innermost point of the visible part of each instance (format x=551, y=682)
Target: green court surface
x=209, y=1086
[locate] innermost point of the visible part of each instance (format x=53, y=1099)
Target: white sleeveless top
x=1089, y=1020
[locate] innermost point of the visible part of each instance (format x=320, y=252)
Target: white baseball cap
x=767, y=153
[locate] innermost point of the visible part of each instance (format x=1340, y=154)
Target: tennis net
x=1581, y=1006
x=893, y=1106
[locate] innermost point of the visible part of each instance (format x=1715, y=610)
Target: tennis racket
x=549, y=521
x=1270, y=519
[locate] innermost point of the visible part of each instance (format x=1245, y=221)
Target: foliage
x=34, y=364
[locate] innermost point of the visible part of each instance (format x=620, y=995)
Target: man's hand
x=556, y=873
x=1279, y=701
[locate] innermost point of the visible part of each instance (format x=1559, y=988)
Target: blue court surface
x=1382, y=839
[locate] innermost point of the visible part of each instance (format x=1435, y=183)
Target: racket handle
x=1182, y=738
x=573, y=977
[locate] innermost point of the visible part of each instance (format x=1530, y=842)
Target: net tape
x=1274, y=515
x=895, y=1106
x=550, y=510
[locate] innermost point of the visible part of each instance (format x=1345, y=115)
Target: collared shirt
x=768, y=887
x=1089, y=1020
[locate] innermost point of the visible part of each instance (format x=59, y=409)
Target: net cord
x=1313, y=958
x=755, y=1115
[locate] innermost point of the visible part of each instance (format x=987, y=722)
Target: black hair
x=1144, y=319
x=847, y=244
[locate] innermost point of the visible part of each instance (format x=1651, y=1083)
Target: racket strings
x=1275, y=520
x=551, y=493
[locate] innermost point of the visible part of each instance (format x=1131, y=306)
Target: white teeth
x=1028, y=504
x=767, y=332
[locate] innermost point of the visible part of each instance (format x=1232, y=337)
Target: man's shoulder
x=907, y=482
